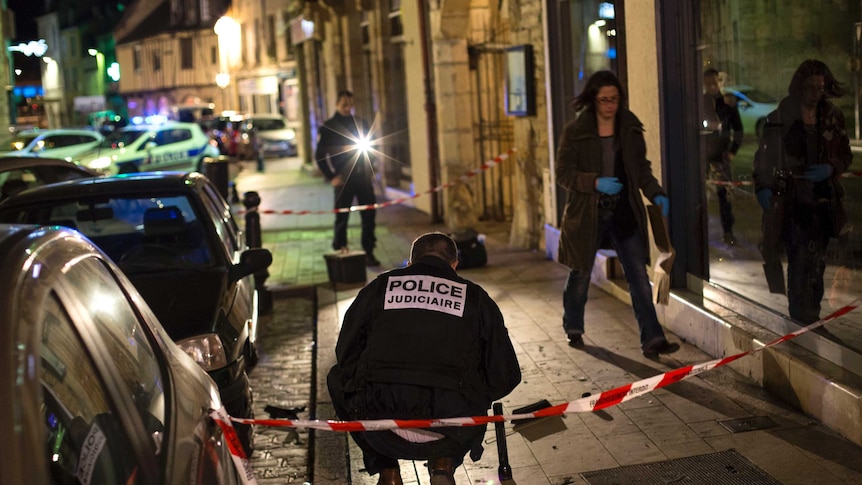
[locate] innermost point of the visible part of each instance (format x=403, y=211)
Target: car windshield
x=121, y=139
x=268, y=124
x=140, y=233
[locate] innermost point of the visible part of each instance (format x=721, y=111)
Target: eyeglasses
x=814, y=88
x=613, y=100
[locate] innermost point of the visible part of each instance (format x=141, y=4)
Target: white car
x=174, y=146
x=60, y=143
x=753, y=107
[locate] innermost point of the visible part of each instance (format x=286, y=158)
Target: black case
x=346, y=268
x=471, y=251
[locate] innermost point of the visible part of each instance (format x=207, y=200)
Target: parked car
x=172, y=145
x=274, y=137
x=60, y=143
x=20, y=173
x=753, y=107
x=174, y=237
x=93, y=389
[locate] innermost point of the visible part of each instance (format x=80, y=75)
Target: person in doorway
x=602, y=164
x=797, y=167
x=347, y=164
x=420, y=342
x=723, y=138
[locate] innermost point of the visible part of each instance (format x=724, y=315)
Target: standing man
x=346, y=162
x=421, y=342
x=724, y=136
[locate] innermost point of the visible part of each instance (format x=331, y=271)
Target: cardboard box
x=346, y=269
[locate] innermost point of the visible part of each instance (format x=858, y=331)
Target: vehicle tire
x=759, y=127
x=245, y=432
x=127, y=168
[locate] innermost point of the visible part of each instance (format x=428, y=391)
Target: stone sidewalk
x=691, y=419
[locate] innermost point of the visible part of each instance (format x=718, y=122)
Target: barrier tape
x=243, y=465
x=462, y=179
x=739, y=183
x=588, y=404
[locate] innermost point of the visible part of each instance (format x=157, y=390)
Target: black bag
x=471, y=251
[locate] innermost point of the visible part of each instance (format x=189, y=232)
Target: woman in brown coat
x=602, y=164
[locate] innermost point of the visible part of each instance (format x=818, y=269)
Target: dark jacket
x=336, y=152
x=579, y=163
x=423, y=325
x=783, y=148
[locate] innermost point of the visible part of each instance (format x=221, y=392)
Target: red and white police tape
x=462, y=179
x=591, y=403
x=739, y=183
x=587, y=404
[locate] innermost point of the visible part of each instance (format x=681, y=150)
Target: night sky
x=26, y=12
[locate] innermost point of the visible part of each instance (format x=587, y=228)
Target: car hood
x=186, y=302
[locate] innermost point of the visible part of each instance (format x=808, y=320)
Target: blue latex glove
x=764, y=198
x=819, y=172
x=664, y=203
x=608, y=185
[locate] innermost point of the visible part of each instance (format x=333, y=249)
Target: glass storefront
x=749, y=51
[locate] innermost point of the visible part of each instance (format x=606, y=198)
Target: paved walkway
x=684, y=420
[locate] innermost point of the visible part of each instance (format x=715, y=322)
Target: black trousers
x=363, y=192
x=383, y=449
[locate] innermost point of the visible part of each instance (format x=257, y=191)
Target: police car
x=174, y=145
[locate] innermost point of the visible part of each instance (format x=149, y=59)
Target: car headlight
x=100, y=163
x=207, y=350
x=291, y=134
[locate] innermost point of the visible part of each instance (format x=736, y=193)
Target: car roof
x=15, y=163
x=149, y=182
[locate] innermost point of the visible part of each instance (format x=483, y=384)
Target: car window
x=175, y=135
x=14, y=181
x=225, y=225
x=85, y=441
x=140, y=233
x=265, y=124
x=121, y=139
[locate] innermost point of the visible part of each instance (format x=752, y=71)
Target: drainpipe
x=430, y=113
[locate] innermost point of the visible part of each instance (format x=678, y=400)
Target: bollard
x=217, y=170
x=504, y=471
x=251, y=201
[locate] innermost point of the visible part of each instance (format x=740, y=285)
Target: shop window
x=749, y=52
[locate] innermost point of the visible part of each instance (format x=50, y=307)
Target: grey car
x=94, y=390
x=175, y=238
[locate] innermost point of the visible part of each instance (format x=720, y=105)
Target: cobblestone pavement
x=283, y=379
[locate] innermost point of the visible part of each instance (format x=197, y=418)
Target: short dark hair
x=600, y=79
x=344, y=94
x=710, y=72
x=813, y=67
x=434, y=244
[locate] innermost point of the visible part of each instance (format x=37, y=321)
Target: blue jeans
x=633, y=258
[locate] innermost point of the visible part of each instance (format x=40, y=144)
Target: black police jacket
x=424, y=325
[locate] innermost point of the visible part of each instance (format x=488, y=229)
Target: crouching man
x=421, y=342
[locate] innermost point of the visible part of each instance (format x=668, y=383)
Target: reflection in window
x=85, y=442
x=755, y=57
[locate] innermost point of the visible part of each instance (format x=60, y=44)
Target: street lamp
x=229, y=40
x=100, y=69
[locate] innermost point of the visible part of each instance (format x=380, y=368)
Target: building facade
x=459, y=81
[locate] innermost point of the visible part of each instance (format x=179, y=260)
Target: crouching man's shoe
x=390, y=476
x=441, y=470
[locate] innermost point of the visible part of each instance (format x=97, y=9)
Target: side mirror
x=250, y=261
